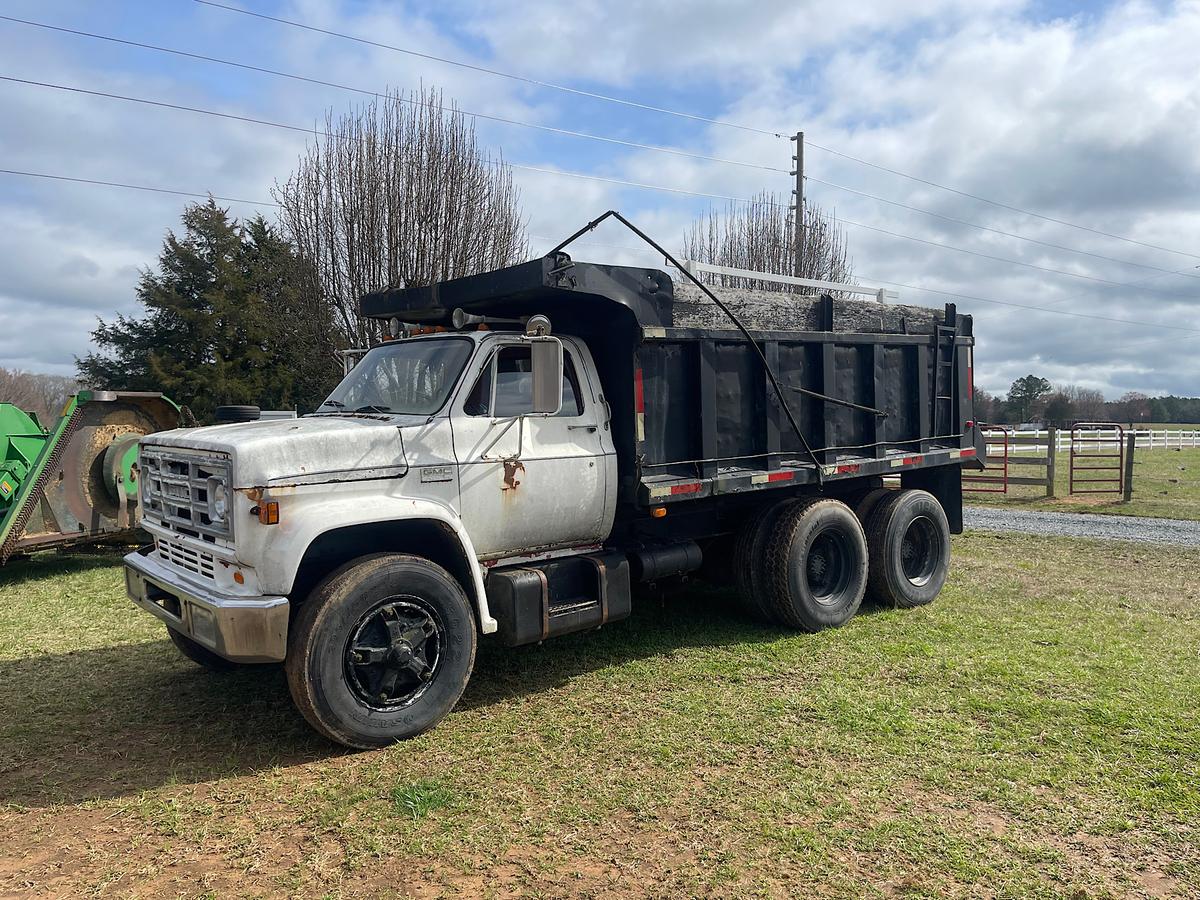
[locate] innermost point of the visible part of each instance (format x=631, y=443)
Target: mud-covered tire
x=908, y=539
x=816, y=565
x=749, y=560
x=366, y=621
x=200, y=654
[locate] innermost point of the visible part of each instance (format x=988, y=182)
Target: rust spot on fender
x=511, y=469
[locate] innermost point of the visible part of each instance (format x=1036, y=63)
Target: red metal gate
x=1092, y=454
x=994, y=478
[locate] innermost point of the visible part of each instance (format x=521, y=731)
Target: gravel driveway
x=1116, y=528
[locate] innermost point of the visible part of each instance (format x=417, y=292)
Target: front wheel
x=381, y=650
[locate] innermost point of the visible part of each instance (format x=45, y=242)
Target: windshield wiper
x=336, y=404
x=372, y=408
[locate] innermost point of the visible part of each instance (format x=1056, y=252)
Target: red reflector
x=912, y=460
x=639, y=394
x=842, y=470
x=970, y=451
x=686, y=488
x=780, y=476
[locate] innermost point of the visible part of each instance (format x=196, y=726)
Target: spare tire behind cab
x=226, y=414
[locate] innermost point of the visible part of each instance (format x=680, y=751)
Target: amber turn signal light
x=658, y=512
x=268, y=512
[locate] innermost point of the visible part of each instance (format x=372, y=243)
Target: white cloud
x=1091, y=119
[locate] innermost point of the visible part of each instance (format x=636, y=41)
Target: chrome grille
x=175, y=486
x=184, y=557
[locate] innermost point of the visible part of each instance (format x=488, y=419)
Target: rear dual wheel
x=803, y=564
x=809, y=563
x=909, y=542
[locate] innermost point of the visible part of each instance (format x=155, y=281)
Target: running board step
x=559, y=596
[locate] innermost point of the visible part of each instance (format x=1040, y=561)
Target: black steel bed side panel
x=707, y=404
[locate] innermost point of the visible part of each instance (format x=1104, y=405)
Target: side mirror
x=546, y=360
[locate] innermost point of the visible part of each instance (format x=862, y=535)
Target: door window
x=513, y=370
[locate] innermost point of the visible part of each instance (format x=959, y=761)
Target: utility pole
x=798, y=203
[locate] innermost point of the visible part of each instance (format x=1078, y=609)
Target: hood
x=299, y=451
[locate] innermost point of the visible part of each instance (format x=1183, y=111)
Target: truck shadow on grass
x=116, y=721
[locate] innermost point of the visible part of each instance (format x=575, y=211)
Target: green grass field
x=1033, y=733
x=1166, y=483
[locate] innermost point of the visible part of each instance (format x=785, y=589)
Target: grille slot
x=175, y=488
x=184, y=557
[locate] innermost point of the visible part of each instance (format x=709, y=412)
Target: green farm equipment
x=76, y=482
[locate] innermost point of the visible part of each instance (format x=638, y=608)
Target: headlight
x=217, y=500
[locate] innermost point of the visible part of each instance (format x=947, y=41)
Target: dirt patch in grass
x=1036, y=732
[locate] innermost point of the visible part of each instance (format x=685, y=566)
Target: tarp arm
x=787, y=410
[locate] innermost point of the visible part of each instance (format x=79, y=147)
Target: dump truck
x=75, y=482
x=533, y=444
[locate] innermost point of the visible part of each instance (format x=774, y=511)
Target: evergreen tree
x=1026, y=395
x=227, y=321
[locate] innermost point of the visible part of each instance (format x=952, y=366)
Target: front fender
x=303, y=519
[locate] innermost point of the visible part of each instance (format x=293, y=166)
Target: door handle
x=590, y=428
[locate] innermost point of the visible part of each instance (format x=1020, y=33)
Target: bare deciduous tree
x=43, y=395
x=761, y=236
x=398, y=193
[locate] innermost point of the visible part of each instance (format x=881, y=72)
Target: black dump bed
x=875, y=388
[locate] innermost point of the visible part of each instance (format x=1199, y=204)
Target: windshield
x=408, y=377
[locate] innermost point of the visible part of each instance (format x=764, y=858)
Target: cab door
x=531, y=482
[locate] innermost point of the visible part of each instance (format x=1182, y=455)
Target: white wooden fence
x=1147, y=439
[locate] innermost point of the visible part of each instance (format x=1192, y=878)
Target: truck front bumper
x=241, y=629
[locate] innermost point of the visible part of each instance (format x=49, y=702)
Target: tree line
x=1032, y=398
x=42, y=395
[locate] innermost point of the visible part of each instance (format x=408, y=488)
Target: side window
x=514, y=386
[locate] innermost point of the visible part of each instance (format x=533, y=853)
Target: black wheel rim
x=920, y=550
x=828, y=566
x=394, y=652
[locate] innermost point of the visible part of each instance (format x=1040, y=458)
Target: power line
x=1184, y=271
x=135, y=187
x=563, y=131
x=398, y=99
x=694, y=117
x=912, y=287
x=317, y=133
x=1004, y=259
x=498, y=73
x=996, y=203
x=543, y=171
x=1057, y=312
x=1020, y=237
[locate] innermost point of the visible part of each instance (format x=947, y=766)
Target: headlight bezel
x=218, y=500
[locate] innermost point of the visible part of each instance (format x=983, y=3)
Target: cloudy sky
x=1084, y=113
